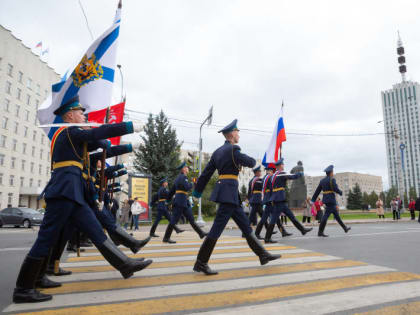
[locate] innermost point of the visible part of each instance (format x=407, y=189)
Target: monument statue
x=298, y=190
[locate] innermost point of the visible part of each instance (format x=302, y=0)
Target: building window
x=18, y=93
x=4, y=122
x=28, y=99
x=8, y=87
x=23, y=165
x=25, y=131
x=32, y=167
x=1, y=178
x=36, y=104
x=2, y=141
x=14, y=145
x=17, y=110
x=33, y=151
x=9, y=199
x=40, y=169
x=31, y=182
x=39, y=183
x=9, y=70
x=22, y=181
x=40, y=154
x=34, y=136
x=6, y=105
x=38, y=89
x=16, y=127
x=29, y=84
x=24, y=148
x=20, y=76
x=27, y=115
x=47, y=170
x=12, y=180
x=1, y=159
x=42, y=139
x=13, y=162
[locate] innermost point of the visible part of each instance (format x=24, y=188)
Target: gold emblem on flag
x=86, y=71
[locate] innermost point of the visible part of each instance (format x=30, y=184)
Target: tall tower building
x=402, y=129
x=25, y=82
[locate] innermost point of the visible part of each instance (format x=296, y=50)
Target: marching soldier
x=181, y=204
x=162, y=208
x=65, y=195
x=266, y=189
x=278, y=197
x=255, y=196
x=227, y=160
x=329, y=188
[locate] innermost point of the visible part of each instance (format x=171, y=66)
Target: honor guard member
x=329, y=188
x=266, y=189
x=255, y=195
x=227, y=160
x=162, y=208
x=181, y=204
x=278, y=197
x=65, y=196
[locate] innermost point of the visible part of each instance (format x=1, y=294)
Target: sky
x=327, y=61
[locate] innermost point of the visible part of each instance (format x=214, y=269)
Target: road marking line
x=355, y=235
x=405, y=308
x=194, y=277
x=192, y=301
x=171, y=254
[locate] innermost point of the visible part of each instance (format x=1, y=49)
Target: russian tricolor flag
x=273, y=152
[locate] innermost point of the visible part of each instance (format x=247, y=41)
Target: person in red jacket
x=412, y=208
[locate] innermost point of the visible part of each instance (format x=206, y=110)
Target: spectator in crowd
x=307, y=211
x=319, y=213
x=399, y=207
x=418, y=206
x=130, y=202
x=125, y=214
x=412, y=208
x=136, y=210
x=394, y=207
x=380, y=208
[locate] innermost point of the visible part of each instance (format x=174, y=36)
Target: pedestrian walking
x=228, y=161
x=307, y=211
x=329, y=188
x=380, y=208
x=412, y=208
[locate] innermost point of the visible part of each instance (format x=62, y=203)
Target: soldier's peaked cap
x=181, y=166
x=229, y=128
x=71, y=104
x=329, y=169
x=280, y=161
x=256, y=169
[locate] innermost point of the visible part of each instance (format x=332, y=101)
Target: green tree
x=390, y=194
x=158, y=153
x=373, y=198
x=365, y=198
x=412, y=193
x=350, y=200
x=355, y=198
x=243, y=192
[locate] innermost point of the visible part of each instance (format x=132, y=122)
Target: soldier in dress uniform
x=162, y=208
x=255, y=195
x=278, y=197
x=66, y=198
x=266, y=189
x=181, y=204
x=227, y=160
x=329, y=188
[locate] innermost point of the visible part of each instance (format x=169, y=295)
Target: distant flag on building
x=92, y=79
x=46, y=51
x=273, y=152
x=115, y=115
x=39, y=45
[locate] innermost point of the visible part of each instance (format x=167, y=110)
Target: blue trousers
x=106, y=219
x=224, y=213
x=331, y=209
x=267, y=212
x=178, y=211
x=162, y=211
x=280, y=207
x=255, y=208
x=60, y=212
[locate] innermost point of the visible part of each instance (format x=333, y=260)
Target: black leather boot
x=268, y=234
x=203, y=257
x=53, y=268
x=259, y=250
x=127, y=240
x=42, y=280
x=168, y=233
x=300, y=227
x=153, y=230
x=321, y=229
x=25, y=291
x=348, y=228
x=178, y=230
x=258, y=230
x=198, y=230
x=125, y=265
x=282, y=230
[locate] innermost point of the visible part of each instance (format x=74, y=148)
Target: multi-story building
x=345, y=182
x=402, y=130
x=25, y=81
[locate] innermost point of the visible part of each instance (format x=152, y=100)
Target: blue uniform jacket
x=181, y=183
x=255, y=190
x=162, y=196
x=278, y=185
x=266, y=188
x=67, y=182
x=329, y=187
x=227, y=160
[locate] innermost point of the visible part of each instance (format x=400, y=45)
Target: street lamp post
x=208, y=119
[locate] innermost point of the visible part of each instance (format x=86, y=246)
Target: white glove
x=138, y=127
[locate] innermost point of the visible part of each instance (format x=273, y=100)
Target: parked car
x=21, y=216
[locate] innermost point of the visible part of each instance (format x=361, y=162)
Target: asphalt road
x=394, y=245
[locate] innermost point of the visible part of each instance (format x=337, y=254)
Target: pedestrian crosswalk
x=301, y=282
